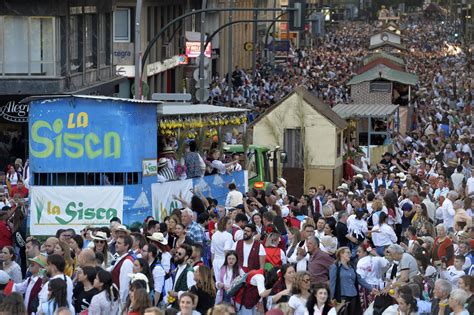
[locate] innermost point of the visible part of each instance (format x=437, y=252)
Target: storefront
x=13, y=129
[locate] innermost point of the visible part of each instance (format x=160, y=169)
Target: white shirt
x=318, y=311
x=357, y=227
x=448, y=213
x=298, y=304
x=221, y=242
x=124, y=280
x=258, y=280
x=431, y=208
x=234, y=198
x=158, y=278
x=452, y=275
x=470, y=185
x=370, y=268
x=25, y=288
x=247, y=248
x=43, y=295
x=383, y=235
x=457, y=179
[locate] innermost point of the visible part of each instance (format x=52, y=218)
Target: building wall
x=241, y=33
x=155, y=15
x=320, y=133
x=360, y=94
x=330, y=177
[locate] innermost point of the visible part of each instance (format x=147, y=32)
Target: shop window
x=104, y=39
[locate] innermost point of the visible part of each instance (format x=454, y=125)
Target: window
x=31, y=46
x=75, y=39
x=104, y=39
x=122, y=25
x=91, y=40
x=380, y=86
x=339, y=144
x=87, y=179
x=294, y=148
x=252, y=166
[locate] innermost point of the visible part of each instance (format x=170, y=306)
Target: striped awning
x=346, y=111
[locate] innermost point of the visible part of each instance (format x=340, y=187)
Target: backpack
x=237, y=284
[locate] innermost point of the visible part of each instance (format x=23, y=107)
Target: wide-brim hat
x=343, y=186
x=402, y=176
x=282, y=181
x=40, y=260
x=162, y=162
x=159, y=237
x=100, y=236
x=122, y=228
x=167, y=150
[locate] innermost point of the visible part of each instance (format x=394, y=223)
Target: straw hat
x=100, y=236
x=40, y=260
x=158, y=237
x=162, y=162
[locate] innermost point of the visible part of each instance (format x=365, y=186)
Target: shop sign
x=73, y=207
x=150, y=167
x=162, y=66
x=12, y=111
x=193, y=50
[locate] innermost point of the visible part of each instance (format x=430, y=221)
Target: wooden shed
x=311, y=134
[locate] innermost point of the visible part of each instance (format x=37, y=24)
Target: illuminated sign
x=193, y=50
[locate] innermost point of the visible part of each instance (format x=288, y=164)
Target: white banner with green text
x=162, y=194
x=54, y=208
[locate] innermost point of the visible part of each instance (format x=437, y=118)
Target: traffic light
x=297, y=14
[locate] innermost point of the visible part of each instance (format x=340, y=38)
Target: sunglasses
x=97, y=241
x=306, y=280
x=180, y=254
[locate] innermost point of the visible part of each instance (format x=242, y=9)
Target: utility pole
x=138, y=54
x=254, y=50
x=201, y=57
x=230, y=54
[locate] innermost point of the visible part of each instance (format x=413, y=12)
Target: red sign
x=193, y=50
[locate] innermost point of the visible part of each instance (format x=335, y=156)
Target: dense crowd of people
x=396, y=237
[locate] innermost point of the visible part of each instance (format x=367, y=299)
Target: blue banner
x=75, y=134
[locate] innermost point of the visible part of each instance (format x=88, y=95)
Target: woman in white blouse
x=383, y=234
x=226, y=275
x=300, y=293
x=318, y=302
x=221, y=243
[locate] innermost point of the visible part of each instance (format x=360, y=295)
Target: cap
x=407, y=206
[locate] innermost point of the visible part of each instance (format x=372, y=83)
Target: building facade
x=50, y=47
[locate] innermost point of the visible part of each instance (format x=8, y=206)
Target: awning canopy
x=175, y=109
x=384, y=72
x=347, y=111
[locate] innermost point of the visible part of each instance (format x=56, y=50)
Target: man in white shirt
x=457, y=178
x=234, y=197
x=470, y=184
x=55, y=270
x=183, y=279
x=32, y=285
x=430, y=206
x=448, y=211
x=248, y=246
x=123, y=266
